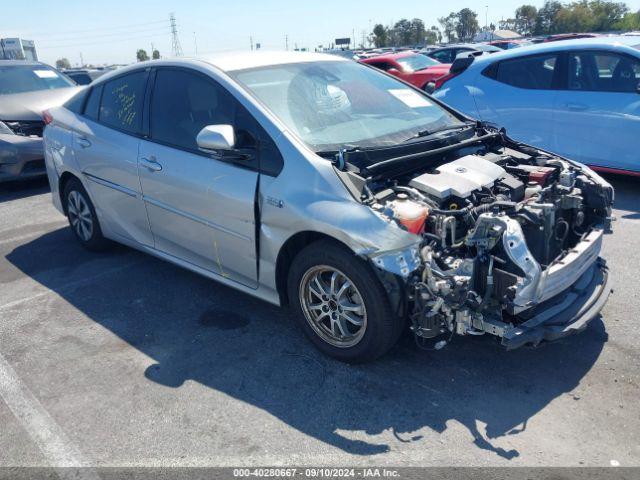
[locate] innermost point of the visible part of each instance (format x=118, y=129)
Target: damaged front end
x=507, y=241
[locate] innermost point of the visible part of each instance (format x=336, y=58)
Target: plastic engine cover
x=459, y=178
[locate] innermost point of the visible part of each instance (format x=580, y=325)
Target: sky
x=111, y=31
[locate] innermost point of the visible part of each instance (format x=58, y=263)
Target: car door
x=597, y=119
x=200, y=206
x=106, y=139
x=519, y=94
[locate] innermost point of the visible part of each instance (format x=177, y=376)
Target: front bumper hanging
x=568, y=312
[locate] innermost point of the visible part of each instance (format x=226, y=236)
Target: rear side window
x=80, y=78
x=76, y=102
x=533, y=73
x=603, y=72
x=183, y=103
x=92, y=108
x=122, y=101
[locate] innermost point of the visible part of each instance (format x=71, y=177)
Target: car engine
x=502, y=231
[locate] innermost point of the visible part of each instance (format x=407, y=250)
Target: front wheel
x=340, y=303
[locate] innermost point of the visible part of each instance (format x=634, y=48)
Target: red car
x=569, y=36
x=415, y=68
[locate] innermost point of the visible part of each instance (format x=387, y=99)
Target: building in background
x=487, y=36
x=18, y=49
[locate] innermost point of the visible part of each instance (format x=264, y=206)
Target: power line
x=176, y=49
x=102, y=42
x=115, y=34
x=99, y=29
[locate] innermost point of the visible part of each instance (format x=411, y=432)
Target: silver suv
x=359, y=201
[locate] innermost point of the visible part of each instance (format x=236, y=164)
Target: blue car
x=577, y=98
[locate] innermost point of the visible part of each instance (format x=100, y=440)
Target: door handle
x=83, y=142
x=576, y=107
x=150, y=164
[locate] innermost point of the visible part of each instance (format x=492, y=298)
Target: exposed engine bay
x=504, y=229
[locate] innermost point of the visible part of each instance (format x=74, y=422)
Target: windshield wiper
x=427, y=133
x=332, y=153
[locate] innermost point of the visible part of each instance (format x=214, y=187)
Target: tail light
x=445, y=78
x=47, y=117
x=459, y=65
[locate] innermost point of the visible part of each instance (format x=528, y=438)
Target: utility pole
x=486, y=17
x=251, y=41
x=176, y=49
x=81, y=60
x=286, y=42
x=152, y=49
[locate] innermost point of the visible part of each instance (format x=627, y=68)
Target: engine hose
x=565, y=225
x=487, y=207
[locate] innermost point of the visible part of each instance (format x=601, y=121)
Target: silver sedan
x=315, y=182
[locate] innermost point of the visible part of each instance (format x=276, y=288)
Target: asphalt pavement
x=121, y=359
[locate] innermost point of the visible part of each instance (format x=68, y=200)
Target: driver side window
x=183, y=103
x=603, y=72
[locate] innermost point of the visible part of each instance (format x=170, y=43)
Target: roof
x=604, y=43
x=5, y=63
x=241, y=60
x=505, y=34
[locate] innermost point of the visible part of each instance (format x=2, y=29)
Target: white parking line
x=42, y=429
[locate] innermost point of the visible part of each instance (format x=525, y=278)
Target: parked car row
x=414, y=68
x=26, y=90
x=578, y=98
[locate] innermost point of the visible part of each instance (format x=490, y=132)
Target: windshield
x=27, y=78
x=330, y=105
x=414, y=63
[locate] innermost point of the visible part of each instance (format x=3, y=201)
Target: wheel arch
x=292, y=247
x=62, y=183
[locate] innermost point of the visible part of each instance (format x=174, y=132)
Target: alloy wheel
x=333, y=306
x=80, y=215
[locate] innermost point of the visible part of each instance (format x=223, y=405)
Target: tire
x=332, y=323
x=82, y=217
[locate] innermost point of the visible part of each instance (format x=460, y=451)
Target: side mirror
x=393, y=71
x=430, y=87
x=216, y=137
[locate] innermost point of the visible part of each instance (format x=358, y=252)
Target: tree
x=63, y=63
x=418, y=32
x=436, y=34
x=156, y=54
x=380, y=35
x=402, y=33
x=545, y=21
x=467, y=25
x=606, y=14
x=630, y=21
x=526, y=19
x=575, y=18
x=448, y=24
x=508, y=24
x=141, y=55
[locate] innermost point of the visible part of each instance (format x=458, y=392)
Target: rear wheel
x=82, y=217
x=340, y=304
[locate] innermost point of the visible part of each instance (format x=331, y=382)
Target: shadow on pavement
x=16, y=190
x=627, y=189
x=195, y=329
